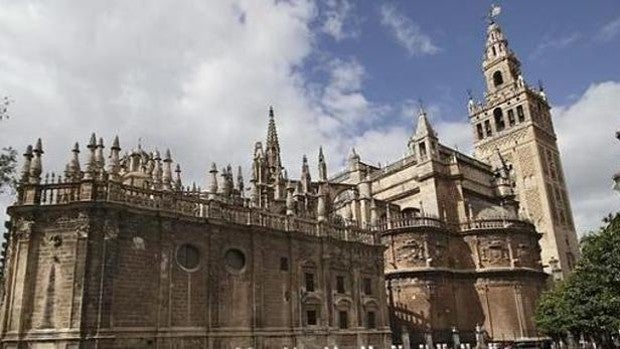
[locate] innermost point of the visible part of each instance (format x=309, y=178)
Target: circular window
x=188, y=257
x=234, y=259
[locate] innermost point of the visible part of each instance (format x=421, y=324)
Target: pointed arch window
x=498, y=79
x=499, y=119
x=520, y=113
x=487, y=128
x=511, y=117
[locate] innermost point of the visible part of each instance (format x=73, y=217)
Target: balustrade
x=189, y=204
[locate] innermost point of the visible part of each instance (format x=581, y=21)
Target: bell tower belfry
x=513, y=122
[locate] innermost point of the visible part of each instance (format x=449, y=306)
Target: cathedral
x=118, y=251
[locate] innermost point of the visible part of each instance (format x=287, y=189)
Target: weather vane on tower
x=494, y=11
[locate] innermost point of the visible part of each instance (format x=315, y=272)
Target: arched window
x=499, y=119
x=520, y=113
x=497, y=78
x=410, y=212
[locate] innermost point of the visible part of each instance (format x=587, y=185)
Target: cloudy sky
x=198, y=77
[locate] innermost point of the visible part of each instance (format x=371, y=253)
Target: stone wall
x=440, y=278
x=105, y=276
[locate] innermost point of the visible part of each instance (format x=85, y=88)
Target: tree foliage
x=588, y=302
x=4, y=107
x=8, y=162
x=8, y=156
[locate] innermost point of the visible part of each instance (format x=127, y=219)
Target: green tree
x=588, y=302
x=553, y=313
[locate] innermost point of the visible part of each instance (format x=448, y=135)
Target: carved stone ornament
x=110, y=229
x=439, y=252
x=494, y=251
x=55, y=240
x=23, y=228
x=411, y=251
x=523, y=252
x=83, y=225
x=82, y=230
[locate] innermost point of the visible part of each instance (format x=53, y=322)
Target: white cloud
x=590, y=153
x=388, y=143
x=610, y=30
x=407, y=33
x=343, y=96
x=193, y=77
x=382, y=145
x=549, y=43
x=339, y=22
x=199, y=78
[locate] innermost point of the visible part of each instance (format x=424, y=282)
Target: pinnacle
x=424, y=127
x=116, y=143
x=272, y=133
x=39, y=146
x=93, y=141
x=353, y=154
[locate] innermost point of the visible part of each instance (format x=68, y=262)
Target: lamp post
x=616, y=177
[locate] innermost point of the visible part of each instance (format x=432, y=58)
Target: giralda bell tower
x=514, y=123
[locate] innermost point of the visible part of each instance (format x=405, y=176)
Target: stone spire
x=290, y=202
x=178, y=185
x=25, y=174
x=229, y=180
x=503, y=178
x=213, y=182
x=305, y=175
x=167, y=175
x=424, y=142
x=424, y=127
x=322, y=166
x=91, y=165
x=114, y=166
x=157, y=171
x=36, y=168
x=501, y=66
x=272, y=145
x=354, y=160
x=224, y=190
x=73, y=171
x=99, y=159
x=240, y=181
